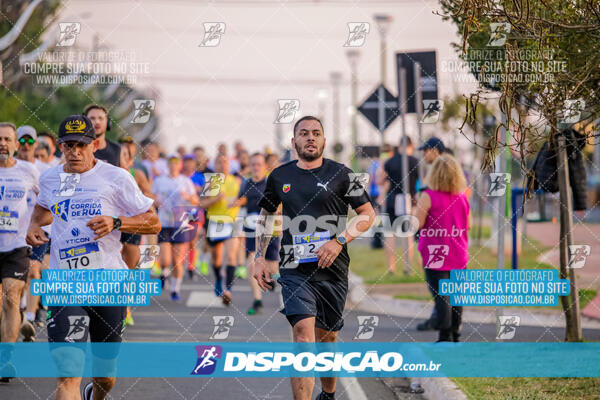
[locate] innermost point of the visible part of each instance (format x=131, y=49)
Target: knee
x=303, y=333
x=11, y=293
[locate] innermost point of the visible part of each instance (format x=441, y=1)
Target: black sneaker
x=86, y=393
x=325, y=396
x=426, y=325
x=256, y=307
x=40, y=317
x=191, y=274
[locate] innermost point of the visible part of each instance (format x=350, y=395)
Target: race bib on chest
x=306, y=246
x=8, y=221
x=218, y=229
x=85, y=256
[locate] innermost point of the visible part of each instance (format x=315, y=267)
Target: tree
x=542, y=56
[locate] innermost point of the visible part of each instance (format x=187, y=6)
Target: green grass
x=370, y=264
x=529, y=388
x=486, y=232
x=585, y=296
x=413, y=297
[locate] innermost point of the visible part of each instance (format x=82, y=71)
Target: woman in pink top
x=444, y=220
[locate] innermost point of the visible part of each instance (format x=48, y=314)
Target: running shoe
x=162, y=281
x=325, y=396
x=175, y=296
x=28, y=331
x=204, y=267
x=256, y=307
x=7, y=373
x=241, y=272
x=40, y=317
x=191, y=274
x=226, y=298
x=86, y=393
x=129, y=318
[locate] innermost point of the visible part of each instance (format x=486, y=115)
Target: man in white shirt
x=18, y=180
x=88, y=202
x=27, y=138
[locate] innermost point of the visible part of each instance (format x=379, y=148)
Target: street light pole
x=353, y=57
x=383, y=22
x=336, y=78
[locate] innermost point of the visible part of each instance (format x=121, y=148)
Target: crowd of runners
x=80, y=201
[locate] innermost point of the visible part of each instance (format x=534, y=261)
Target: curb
x=435, y=388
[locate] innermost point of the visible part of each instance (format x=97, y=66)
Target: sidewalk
x=588, y=277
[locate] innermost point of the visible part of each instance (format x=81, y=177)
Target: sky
x=270, y=50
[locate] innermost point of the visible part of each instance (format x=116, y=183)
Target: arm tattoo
x=264, y=231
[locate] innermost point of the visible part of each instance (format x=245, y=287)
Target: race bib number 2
x=306, y=246
x=8, y=221
x=86, y=256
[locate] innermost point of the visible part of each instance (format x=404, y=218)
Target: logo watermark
x=143, y=110
x=366, y=326
x=358, y=184
x=357, y=34
x=498, y=184
x=222, y=326
x=507, y=326
x=287, y=110
x=68, y=184
x=431, y=111
x=68, y=32
x=578, y=254
x=213, y=31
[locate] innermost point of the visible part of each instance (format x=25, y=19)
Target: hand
x=232, y=203
x=102, y=225
x=328, y=253
x=36, y=236
x=262, y=274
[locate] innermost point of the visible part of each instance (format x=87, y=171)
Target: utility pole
x=336, y=78
x=383, y=22
x=353, y=56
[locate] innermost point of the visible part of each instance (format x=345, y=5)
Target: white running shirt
x=168, y=191
x=74, y=199
x=17, y=183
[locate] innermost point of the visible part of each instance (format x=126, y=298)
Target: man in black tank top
x=315, y=194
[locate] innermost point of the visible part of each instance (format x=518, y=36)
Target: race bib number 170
x=86, y=256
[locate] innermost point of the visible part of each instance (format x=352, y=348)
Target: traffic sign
x=380, y=108
x=429, y=84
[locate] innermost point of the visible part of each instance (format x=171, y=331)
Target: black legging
x=446, y=318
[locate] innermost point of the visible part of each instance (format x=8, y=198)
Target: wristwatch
x=341, y=240
x=117, y=223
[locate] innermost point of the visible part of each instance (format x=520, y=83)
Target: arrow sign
x=380, y=108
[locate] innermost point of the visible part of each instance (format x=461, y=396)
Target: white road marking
x=353, y=389
x=204, y=300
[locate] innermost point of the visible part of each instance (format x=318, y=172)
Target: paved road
x=191, y=321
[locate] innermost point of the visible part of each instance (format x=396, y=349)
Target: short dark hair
x=406, y=139
x=258, y=153
x=308, y=118
x=196, y=148
x=94, y=106
x=50, y=136
x=42, y=146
